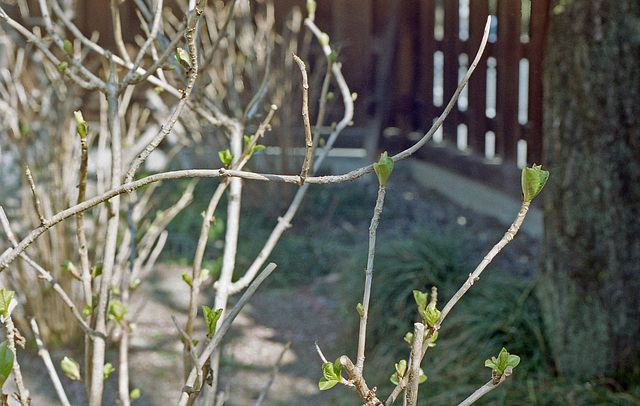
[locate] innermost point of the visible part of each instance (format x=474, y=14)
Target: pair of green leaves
x=331, y=375
x=227, y=157
x=401, y=370
x=211, y=318
x=499, y=365
x=428, y=312
x=204, y=275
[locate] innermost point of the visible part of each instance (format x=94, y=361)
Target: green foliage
x=107, y=369
x=383, y=168
x=499, y=311
x=427, y=312
x=257, y=147
x=135, y=394
x=81, y=124
x=71, y=368
x=182, y=57
x=68, y=48
x=504, y=360
x=6, y=297
x=211, y=319
x=6, y=362
x=331, y=375
x=533, y=180
x=311, y=6
x=226, y=157
x=117, y=310
x=401, y=369
x=187, y=278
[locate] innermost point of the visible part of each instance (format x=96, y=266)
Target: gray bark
x=590, y=277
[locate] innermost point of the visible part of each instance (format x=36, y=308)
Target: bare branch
x=361, y=388
x=483, y=390
x=475, y=275
x=36, y=199
x=414, y=364
x=187, y=391
x=362, y=333
x=320, y=353
x=117, y=31
x=272, y=376
x=23, y=393
x=305, y=119
x=192, y=351
x=51, y=370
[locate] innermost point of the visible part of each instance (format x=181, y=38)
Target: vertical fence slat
x=508, y=54
x=449, y=45
x=427, y=47
x=479, y=9
x=539, y=14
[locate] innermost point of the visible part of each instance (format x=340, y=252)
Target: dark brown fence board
x=478, y=83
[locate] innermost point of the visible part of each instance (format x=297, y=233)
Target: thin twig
x=362, y=334
x=116, y=28
x=192, y=351
x=262, y=128
x=305, y=119
x=272, y=376
x=320, y=353
x=221, y=34
x=155, y=27
x=483, y=390
x=36, y=199
x=359, y=384
x=44, y=354
x=94, y=82
x=189, y=389
x=475, y=275
x=83, y=251
x=414, y=364
x=23, y=396
x=99, y=315
x=123, y=366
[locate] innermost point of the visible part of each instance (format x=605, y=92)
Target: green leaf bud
x=81, y=125
x=71, y=368
x=533, y=180
x=383, y=168
x=68, y=47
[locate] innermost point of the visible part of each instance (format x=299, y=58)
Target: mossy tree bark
x=590, y=277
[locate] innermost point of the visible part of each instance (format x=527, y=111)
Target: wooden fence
x=426, y=45
x=405, y=57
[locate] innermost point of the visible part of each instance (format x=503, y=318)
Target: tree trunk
x=590, y=277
